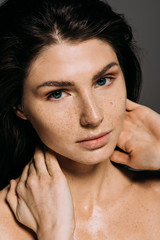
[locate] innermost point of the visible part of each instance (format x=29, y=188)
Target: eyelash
x=108, y=77
x=62, y=91
x=50, y=95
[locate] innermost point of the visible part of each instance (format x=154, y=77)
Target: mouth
x=95, y=141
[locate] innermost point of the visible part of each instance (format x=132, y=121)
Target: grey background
x=144, y=17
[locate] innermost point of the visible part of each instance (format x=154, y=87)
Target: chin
x=95, y=156
x=85, y=156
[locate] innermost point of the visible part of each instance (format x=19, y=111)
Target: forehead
x=69, y=60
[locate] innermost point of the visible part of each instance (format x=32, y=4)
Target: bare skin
x=140, y=137
x=39, y=181
x=107, y=202
x=128, y=210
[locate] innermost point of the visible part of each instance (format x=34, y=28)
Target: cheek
x=116, y=109
x=119, y=117
x=119, y=112
x=52, y=126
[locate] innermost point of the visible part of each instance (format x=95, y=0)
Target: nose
x=91, y=114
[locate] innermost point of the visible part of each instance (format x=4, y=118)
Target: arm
x=41, y=199
x=139, y=139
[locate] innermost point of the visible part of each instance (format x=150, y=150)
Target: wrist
x=55, y=236
x=156, y=157
x=62, y=233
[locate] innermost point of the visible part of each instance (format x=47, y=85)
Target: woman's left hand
x=139, y=139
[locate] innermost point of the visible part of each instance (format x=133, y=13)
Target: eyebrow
x=71, y=84
x=104, y=70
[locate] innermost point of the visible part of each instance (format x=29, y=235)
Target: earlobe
x=19, y=112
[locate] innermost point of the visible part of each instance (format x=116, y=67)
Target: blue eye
x=56, y=94
x=104, y=81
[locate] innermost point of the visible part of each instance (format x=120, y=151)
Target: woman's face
x=75, y=97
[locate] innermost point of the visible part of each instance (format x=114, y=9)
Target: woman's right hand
x=41, y=198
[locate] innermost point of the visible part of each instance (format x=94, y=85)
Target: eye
x=104, y=81
x=57, y=94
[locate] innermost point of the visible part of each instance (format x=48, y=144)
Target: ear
x=20, y=112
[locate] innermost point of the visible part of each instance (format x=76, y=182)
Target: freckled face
x=75, y=97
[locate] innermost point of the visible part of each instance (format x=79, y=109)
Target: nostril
x=91, y=118
x=91, y=112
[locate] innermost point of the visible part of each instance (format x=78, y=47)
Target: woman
x=66, y=70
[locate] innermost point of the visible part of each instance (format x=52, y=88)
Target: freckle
x=86, y=207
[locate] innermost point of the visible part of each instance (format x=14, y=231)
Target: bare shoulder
x=10, y=229
x=150, y=182
x=149, y=192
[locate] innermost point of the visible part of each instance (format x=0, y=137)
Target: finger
x=24, y=174
x=12, y=196
x=32, y=170
x=39, y=161
x=120, y=157
x=52, y=163
x=130, y=105
x=125, y=141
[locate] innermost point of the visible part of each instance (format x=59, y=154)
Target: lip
x=96, y=141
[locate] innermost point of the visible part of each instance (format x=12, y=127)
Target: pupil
x=57, y=94
x=101, y=81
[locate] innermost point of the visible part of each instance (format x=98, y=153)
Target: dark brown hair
x=26, y=27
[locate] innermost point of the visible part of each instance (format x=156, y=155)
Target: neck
x=92, y=181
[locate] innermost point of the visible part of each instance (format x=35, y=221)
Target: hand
x=41, y=199
x=139, y=139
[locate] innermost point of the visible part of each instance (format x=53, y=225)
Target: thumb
x=120, y=157
x=12, y=196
